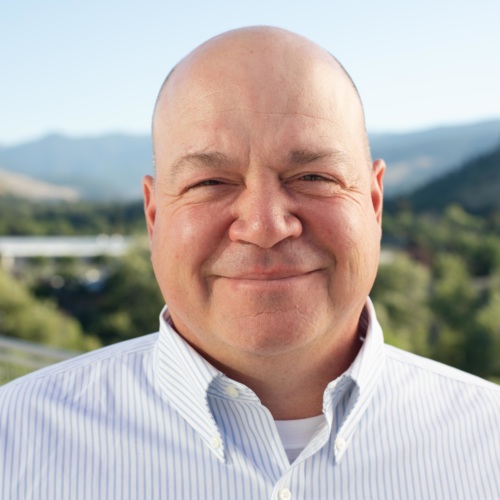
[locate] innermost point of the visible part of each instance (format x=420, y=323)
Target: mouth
x=282, y=275
x=258, y=285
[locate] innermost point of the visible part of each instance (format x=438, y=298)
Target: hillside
x=475, y=186
x=22, y=186
x=413, y=159
x=101, y=168
x=110, y=167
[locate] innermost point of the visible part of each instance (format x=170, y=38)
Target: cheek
x=184, y=239
x=337, y=228
x=361, y=247
x=351, y=235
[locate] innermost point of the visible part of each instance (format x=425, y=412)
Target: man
x=269, y=377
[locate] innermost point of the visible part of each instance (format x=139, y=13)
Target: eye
x=206, y=182
x=315, y=184
x=208, y=189
x=313, y=177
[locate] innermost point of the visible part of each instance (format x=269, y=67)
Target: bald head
x=260, y=31
x=263, y=62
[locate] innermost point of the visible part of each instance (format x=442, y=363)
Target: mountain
x=475, y=186
x=22, y=186
x=110, y=167
x=415, y=158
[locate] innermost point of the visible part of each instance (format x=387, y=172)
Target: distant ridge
x=475, y=186
x=110, y=167
x=415, y=158
x=22, y=186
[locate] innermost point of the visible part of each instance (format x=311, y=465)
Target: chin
x=270, y=332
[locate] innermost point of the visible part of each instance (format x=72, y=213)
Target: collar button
x=232, y=392
x=340, y=444
x=215, y=442
x=284, y=494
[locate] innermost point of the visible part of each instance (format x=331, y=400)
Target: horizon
x=94, y=68
x=125, y=133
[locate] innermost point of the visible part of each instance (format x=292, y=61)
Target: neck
x=291, y=386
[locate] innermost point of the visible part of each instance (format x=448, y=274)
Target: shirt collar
x=367, y=365
x=354, y=389
x=186, y=380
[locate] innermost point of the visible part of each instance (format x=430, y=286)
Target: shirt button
x=339, y=444
x=284, y=494
x=215, y=442
x=232, y=391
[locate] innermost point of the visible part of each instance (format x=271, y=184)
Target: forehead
x=213, y=101
x=223, y=137
x=316, y=86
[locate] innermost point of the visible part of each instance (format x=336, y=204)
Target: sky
x=86, y=68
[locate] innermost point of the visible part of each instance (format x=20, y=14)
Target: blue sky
x=93, y=67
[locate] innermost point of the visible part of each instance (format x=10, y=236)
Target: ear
x=148, y=190
x=377, y=188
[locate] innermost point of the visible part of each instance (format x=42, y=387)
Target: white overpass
x=23, y=247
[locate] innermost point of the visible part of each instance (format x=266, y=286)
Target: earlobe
x=377, y=188
x=149, y=203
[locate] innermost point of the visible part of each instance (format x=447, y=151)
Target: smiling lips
x=278, y=267
x=275, y=275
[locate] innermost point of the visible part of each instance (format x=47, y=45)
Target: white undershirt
x=295, y=434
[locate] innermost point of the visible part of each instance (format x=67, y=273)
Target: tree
x=25, y=317
x=456, y=338
x=130, y=299
x=400, y=295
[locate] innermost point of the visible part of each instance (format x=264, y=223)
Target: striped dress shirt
x=151, y=419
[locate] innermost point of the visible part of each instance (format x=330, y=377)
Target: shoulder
x=435, y=379
x=81, y=372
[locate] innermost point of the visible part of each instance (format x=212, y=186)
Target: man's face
x=265, y=214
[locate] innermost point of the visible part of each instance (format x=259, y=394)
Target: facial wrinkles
x=234, y=103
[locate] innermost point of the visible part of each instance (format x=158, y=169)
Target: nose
x=264, y=216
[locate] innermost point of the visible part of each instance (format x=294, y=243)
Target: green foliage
x=131, y=300
x=460, y=310
x=452, y=286
x=25, y=317
x=488, y=328
x=124, y=304
x=20, y=217
x=453, y=301
x=476, y=240
x=400, y=297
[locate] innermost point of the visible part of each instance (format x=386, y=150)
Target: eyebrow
x=305, y=156
x=193, y=161
x=215, y=159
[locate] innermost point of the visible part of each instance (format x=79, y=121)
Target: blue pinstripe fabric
x=151, y=419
